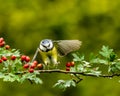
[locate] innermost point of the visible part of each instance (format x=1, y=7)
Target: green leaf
x=81, y=68
x=38, y=80
x=113, y=56
x=99, y=61
x=77, y=57
x=73, y=69
x=16, y=53
x=112, y=69
x=106, y=52
x=94, y=72
x=62, y=84
x=117, y=65
x=1, y=75
x=70, y=83
x=86, y=64
x=32, y=77
x=9, y=77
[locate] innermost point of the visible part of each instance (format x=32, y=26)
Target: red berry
x=1, y=40
x=33, y=66
x=27, y=59
x=2, y=43
x=1, y=60
x=40, y=66
x=26, y=66
x=72, y=64
x=13, y=57
x=68, y=64
x=23, y=57
x=7, y=47
x=35, y=62
x=31, y=70
x=4, y=58
x=67, y=68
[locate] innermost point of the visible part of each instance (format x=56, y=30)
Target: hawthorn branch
x=80, y=73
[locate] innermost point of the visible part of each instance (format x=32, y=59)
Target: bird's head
x=46, y=45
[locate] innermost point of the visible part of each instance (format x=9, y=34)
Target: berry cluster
x=25, y=60
x=7, y=47
x=12, y=63
x=30, y=66
x=69, y=64
x=2, y=42
x=4, y=58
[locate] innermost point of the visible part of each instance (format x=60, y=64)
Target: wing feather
x=66, y=46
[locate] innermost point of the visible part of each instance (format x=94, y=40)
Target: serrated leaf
x=113, y=56
x=105, y=51
x=73, y=69
x=94, y=72
x=1, y=75
x=16, y=53
x=38, y=81
x=117, y=65
x=69, y=83
x=99, y=61
x=86, y=64
x=32, y=77
x=109, y=69
x=13, y=50
x=77, y=57
x=36, y=72
x=112, y=69
x=59, y=84
x=62, y=84
x=80, y=68
x=9, y=77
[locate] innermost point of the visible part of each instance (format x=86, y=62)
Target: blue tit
x=49, y=50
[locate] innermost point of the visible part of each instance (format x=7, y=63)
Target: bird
x=49, y=50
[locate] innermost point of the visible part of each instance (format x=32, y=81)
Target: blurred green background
x=23, y=23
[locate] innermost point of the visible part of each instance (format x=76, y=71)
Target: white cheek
x=42, y=48
x=46, y=44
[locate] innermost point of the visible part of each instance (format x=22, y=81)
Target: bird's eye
x=43, y=42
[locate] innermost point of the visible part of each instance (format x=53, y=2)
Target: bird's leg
x=54, y=61
x=47, y=66
x=56, y=64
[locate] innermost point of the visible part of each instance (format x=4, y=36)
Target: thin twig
x=81, y=73
x=35, y=55
x=74, y=73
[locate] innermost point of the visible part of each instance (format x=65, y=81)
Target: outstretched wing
x=66, y=46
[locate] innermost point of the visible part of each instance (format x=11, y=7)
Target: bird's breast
x=50, y=52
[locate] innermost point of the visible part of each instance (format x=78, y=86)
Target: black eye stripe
x=49, y=45
x=44, y=46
